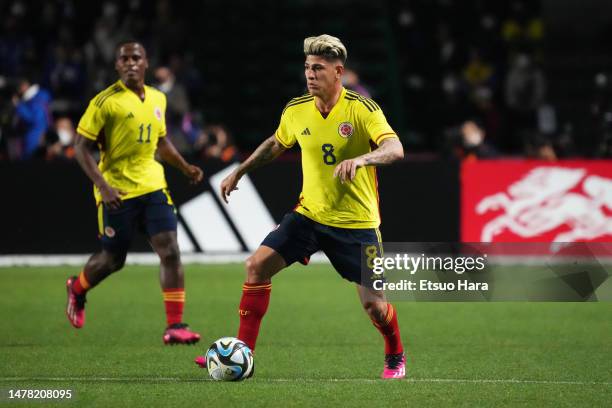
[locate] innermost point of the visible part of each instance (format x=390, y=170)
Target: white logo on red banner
x=560, y=204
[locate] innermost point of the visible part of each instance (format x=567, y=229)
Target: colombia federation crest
x=345, y=129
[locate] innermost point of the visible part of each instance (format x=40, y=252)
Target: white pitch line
x=133, y=258
x=308, y=380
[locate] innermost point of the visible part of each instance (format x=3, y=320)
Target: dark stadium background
x=240, y=62
x=532, y=76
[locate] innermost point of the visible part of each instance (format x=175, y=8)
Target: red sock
x=253, y=306
x=174, y=299
x=390, y=331
x=80, y=286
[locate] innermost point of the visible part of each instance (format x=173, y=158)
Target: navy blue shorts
x=298, y=237
x=150, y=213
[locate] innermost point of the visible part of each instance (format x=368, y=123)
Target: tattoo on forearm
x=265, y=153
x=385, y=154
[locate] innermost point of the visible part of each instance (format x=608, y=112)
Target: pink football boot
x=180, y=333
x=75, y=306
x=395, y=366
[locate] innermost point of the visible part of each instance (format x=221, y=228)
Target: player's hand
x=111, y=197
x=347, y=169
x=194, y=173
x=228, y=185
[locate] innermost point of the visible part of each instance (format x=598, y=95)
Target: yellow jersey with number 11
x=127, y=130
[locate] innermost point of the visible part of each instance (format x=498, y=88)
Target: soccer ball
x=229, y=359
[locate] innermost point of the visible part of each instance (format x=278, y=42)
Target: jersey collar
x=122, y=85
x=334, y=108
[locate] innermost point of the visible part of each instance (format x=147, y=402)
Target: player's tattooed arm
x=168, y=153
x=83, y=149
x=389, y=151
x=269, y=150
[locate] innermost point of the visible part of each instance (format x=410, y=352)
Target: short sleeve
x=283, y=133
x=162, y=129
x=92, y=121
x=377, y=127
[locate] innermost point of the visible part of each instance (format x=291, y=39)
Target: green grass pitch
x=316, y=348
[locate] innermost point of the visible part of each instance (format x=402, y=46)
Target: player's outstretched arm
x=83, y=152
x=169, y=154
x=269, y=150
x=389, y=151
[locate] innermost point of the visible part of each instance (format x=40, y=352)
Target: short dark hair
x=126, y=42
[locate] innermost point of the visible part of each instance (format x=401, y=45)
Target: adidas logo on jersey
x=130, y=115
x=306, y=132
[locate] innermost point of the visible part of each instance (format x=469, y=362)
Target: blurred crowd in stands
x=477, y=66
x=473, y=66
x=56, y=55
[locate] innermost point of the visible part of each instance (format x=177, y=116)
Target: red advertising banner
x=533, y=201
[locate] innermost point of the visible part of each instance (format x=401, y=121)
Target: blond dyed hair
x=325, y=46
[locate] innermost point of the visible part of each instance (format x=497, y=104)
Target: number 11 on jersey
x=141, y=128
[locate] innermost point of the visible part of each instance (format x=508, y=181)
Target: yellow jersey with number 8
x=348, y=131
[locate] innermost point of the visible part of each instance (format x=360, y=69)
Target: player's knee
x=105, y=262
x=255, y=270
x=116, y=261
x=376, y=310
x=170, y=256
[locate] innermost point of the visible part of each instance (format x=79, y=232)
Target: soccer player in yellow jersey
x=338, y=207
x=127, y=123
